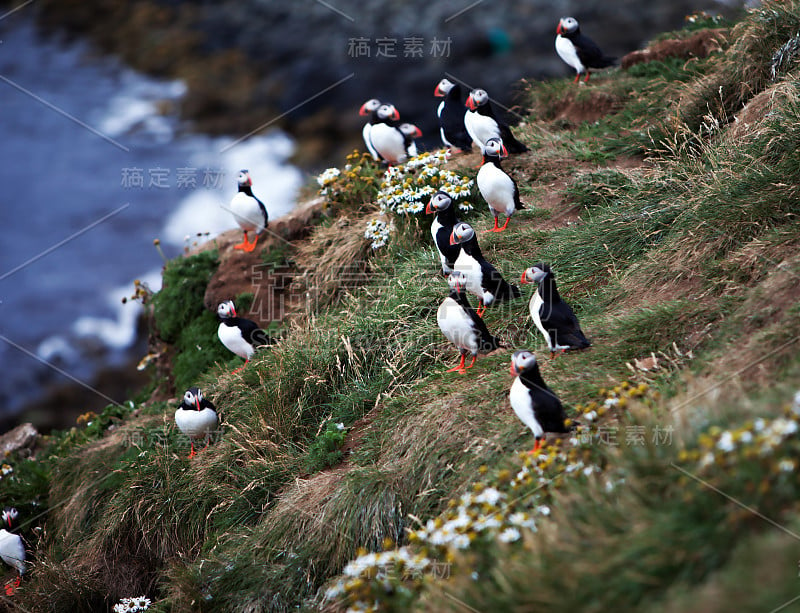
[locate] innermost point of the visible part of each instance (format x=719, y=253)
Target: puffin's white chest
x=471, y=269
x=247, y=213
x=196, y=424
x=535, y=307
x=12, y=550
x=457, y=326
x=522, y=403
x=481, y=128
x=497, y=188
x=388, y=142
x=567, y=52
x=365, y=132
x=231, y=337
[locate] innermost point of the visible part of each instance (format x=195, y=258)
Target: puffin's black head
x=457, y=281
x=443, y=88
x=370, y=106
x=226, y=310
x=567, y=25
x=387, y=111
x=409, y=129
x=495, y=147
x=522, y=361
x=192, y=398
x=440, y=201
x=461, y=233
x=536, y=273
x=243, y=178
x=477, y=97
x=9, y=516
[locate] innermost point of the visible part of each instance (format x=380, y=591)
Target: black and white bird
x=554, y=317
x=12, y=549
x=241, y=336
x=410, y=132
x=482, y=279
x=533, y=402
x=498, y=189
x=196, y=417
x=249, y=212
x=442, y=227
x=579, y=51
x=461, y=325
x=482, y=124
x=385, y=135
x=369, y=108
x=451, y=113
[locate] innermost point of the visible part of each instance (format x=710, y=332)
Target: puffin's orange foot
x=11, y=586
x=481, y=310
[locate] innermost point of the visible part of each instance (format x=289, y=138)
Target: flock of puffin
x=461, y=123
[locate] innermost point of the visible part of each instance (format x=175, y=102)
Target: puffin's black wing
x=493, y=281
x=511, y=143
x=253, y=334
x=561, y=323
x=263, y=211
x=517, y=201
x=549, y=412
x=590, y=54
x=452, y=119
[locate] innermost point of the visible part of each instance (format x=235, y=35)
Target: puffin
x=579, y=51
x=12, y=549
x=442, y=227
x=554, y=317
x=239, y=335
x=410, y=132
x=386, y=138
x=498, y=189
x=533, y=402
x=249, y=212
x=369, y=108
x=482, y=279
x=196, y=417
x=482, y=124
x=451, y=113
x=461, y=325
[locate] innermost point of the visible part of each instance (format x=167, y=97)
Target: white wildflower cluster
x=378, y=232
x=5, y=470
x=487, y=513
x=132, y=605
x=397, y=564
x=405, y=189
x=327, y=177
x=763, y=438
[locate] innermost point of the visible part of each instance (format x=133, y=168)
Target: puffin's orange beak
x=363, y=110
x=438, y=92
x=453, y=240
x=197, y=402
x=524, y=278
x=429, y=209
x=470, y=103
x=558, y=29
x=504, y=152
x=396, y=115
x=514, y=370
x=417, y=132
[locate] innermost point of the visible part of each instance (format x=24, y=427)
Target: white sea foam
x=135, y=108
x=118, y=332
x=275, y=183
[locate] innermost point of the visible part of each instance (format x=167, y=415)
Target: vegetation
x=671, y=223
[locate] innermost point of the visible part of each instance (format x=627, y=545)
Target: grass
x=690, y=257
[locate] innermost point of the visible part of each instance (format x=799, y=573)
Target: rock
x=19, y=440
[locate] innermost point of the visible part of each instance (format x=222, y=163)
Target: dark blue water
x=76, y=132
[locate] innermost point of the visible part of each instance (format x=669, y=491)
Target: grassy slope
x=674, y=256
